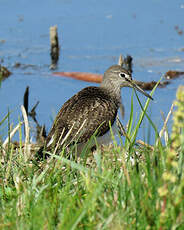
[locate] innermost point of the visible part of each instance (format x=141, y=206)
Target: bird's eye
x=122, y=75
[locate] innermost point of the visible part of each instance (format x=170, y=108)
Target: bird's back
x=90, y=109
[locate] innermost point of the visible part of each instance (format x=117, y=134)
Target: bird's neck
x=113, y=89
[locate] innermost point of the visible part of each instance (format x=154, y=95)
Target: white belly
x=107, y=138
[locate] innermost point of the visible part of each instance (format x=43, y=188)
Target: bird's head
x=118, y=77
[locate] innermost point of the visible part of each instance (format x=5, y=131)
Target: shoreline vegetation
x=132, y=185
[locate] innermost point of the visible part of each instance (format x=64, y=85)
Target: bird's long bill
x=135, y=86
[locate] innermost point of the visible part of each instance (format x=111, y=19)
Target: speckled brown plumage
x=93, y=104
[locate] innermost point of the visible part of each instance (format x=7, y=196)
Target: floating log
x=172, y=74
x=89, y=77
x=150, y=85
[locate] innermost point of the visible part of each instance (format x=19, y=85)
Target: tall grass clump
x=125, y=186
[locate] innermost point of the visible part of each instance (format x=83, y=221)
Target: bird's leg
x=122, y=110
x=121, y=129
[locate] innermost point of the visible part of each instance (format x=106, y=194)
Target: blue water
x=92, y=36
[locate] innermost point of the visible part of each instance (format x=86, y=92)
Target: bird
x=93, y=110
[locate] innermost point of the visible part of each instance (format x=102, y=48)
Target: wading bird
x=93, y=109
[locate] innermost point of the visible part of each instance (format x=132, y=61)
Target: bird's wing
x=90, y=109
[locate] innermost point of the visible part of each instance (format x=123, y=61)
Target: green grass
x=101, y=191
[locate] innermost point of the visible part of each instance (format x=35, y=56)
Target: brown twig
x=145, y=144
x=32, y=114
